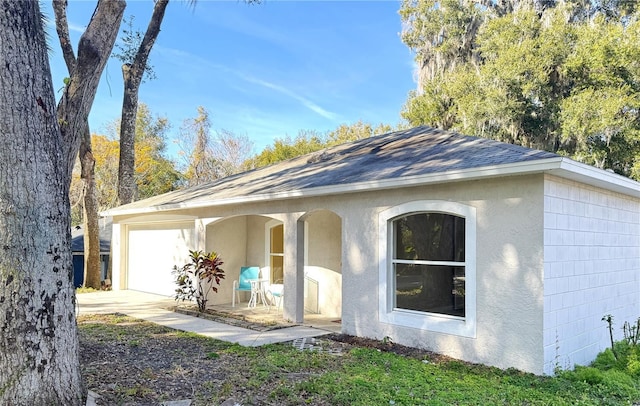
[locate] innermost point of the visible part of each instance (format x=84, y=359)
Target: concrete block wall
x=591, y=268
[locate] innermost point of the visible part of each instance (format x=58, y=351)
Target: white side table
x=257, y=292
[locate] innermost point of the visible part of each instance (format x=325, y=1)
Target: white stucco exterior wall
x=228, y=239
x=322, y=263
x=256, y=242
x=117, y=277
x=509, y=293
x=542, y=244
x=592, y=268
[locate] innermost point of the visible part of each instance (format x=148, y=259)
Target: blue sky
x=264, y=71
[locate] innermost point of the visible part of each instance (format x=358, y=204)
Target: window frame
x=269, y=226
x=442, y=323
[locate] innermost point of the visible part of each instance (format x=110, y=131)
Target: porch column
x=118, y=281
x=200, y=243
x=200, y=236
x=293, y=301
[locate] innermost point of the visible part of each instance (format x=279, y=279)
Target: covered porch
x=273, y=318
x=301, y=252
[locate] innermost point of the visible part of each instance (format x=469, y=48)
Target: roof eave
x=558, y=166
x=590, y=175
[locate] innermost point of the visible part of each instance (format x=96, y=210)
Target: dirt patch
x=388, y=346
x=132, y=362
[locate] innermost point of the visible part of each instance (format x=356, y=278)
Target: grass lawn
x=128, y=361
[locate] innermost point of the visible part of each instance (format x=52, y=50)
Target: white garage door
x=153, y=251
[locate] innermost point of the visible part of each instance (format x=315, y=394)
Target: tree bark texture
x=94, y=49
x=39, y=346
x=132, y=75
x=127, y=189
x=62, y=28
x=92, y=277
x=39, y=362
x=91, y=236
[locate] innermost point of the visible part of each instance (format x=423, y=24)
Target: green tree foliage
x=154, y=173
x=441, y=32
x=600, y=114
x=286, y=148
x=134, y=55
x=308, y=141
x=127, y=48
x=356, y=131
x=563, y=78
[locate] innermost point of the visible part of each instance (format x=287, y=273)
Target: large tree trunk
x=92, y=277
x=39, y=362
x=39, y=346
x=94, y=49
x=132, y=75
x=127, y=188
x=87, y=161
x=87, y=164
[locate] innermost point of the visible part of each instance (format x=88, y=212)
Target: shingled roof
x=376, y=162
x=77, y=236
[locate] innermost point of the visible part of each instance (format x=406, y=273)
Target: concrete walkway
x=153, y=308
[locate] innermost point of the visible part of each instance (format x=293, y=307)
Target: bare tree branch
x=93, y=51
x=132, y=73
x=62, y=27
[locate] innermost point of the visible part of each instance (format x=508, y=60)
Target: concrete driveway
x=122, y=301
x=154, y=308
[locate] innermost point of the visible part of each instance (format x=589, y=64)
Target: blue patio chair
x=242, y=284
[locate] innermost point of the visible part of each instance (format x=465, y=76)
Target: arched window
x=429, y=263
x=427, y=266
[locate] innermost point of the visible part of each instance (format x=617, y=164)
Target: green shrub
x=615, y=371
x=606, y=360
x=628, y=359
x=195, y=279
x=620, y=384
x=590, y=375
x=611, y=383
x=633, y=363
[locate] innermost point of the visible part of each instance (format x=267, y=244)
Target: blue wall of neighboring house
x=78, y=269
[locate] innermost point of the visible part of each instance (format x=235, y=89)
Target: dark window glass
x=430, y=288
x=430, y=237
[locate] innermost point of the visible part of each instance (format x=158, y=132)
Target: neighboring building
x=480, y=250
x=77, y=249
